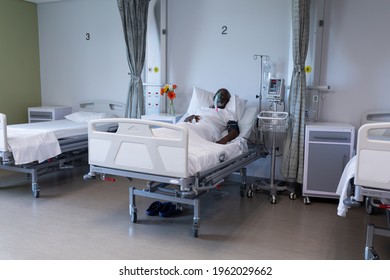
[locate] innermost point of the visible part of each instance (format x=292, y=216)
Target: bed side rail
x=136, y=146
x=373, y=156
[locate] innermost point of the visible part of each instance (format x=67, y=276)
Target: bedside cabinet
x=328, y=148
x=47, y=113
x=163, y=118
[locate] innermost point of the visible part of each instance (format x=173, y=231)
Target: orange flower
x=169, y=89
x=171, y=95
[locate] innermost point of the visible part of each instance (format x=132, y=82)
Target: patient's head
x=221, y=98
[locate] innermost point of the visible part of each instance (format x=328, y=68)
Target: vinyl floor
x=74, y=219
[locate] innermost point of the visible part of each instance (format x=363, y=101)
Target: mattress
x=60, y=128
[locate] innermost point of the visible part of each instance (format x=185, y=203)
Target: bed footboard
x=3, y=133
x=136, y=146
x=373, y=156
x=5, y=153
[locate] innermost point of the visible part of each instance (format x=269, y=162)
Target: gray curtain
x=134, y=15
x=292, y=165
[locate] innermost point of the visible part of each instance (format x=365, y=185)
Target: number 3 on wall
x=224, y=30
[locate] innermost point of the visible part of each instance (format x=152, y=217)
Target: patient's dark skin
x=224, y=97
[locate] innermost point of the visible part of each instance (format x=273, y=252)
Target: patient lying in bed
x=210, y=122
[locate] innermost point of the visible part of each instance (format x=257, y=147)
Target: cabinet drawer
x=41, y=115
x=330, y=136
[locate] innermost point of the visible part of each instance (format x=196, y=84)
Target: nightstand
x=47, y=113
x=163, y=117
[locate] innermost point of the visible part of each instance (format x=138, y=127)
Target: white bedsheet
x=203, y=154
x=342, y=188
x=61, y=128
x=39, y=141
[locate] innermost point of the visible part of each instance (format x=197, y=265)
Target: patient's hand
x=192, y=118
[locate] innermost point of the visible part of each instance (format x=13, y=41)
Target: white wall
x=356, y=58
x=73, y=68
x=199, y=54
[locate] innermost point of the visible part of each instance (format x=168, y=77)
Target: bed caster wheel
x=134, y=218
x=370, y=254
x=293, y=196
x=88, y=177
x=133, y=214
x=249, y=193
x=35, y=190
x=306, y=200
x=242, y=192
x=272, y=199
x=36, y=194
x=369, y=208
x=195, y=230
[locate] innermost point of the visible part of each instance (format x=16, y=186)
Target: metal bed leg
x=369, y=253
x=195, y=224
x=34, y=185
x=132, y=206
x=243, y=181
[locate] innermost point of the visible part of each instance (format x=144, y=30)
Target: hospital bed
x=42, y=147
x=366, y=178
x=178, y=165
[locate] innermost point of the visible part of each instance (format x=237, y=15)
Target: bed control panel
x=47, y=113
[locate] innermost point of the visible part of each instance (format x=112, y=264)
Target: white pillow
x=200, y=98
x=240, y=107
x=203, y=98
x=84, y=116
x=237, y=106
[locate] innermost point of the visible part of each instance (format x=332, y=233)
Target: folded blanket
x=32, y=145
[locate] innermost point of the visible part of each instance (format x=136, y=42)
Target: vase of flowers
x=169, y=91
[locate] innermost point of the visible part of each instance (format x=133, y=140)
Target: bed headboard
x=375, y=116
x=103, y=106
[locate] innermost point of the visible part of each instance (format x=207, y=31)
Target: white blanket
x=38, y=141
x=32, y=145
x=342, y=189
x=203, y=154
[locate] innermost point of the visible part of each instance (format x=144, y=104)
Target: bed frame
x=366, y=178
x=73, y=149
x=134, y=152
x=372, y=178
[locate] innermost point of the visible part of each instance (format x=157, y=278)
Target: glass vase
x=171, y=108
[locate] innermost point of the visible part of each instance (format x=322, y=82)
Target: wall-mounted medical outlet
x=315, y=98
x=152, y=102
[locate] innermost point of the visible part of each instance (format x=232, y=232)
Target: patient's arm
x=233, y=132
x=191, y=118
x=229, y=137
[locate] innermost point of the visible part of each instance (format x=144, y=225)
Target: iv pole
x=262, y=58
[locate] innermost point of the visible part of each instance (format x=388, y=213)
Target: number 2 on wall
x=224, y=30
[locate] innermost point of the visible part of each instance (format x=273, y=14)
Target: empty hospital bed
x=41, y=147
x=177, y=164
x=366, y=178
